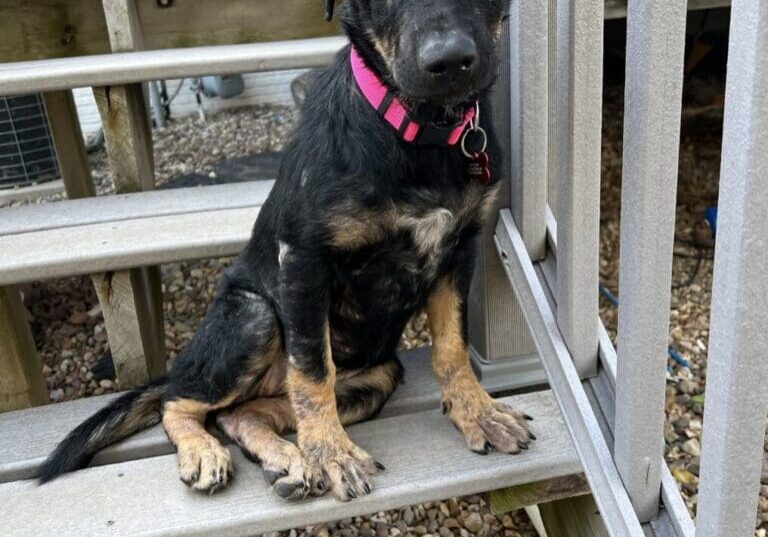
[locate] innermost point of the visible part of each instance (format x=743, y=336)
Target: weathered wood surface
x=132, y=299
x=21, y=380
x=118, y=245
x=61, y=28
x=38, y=430
x=573, y=517
x=64, y=28
x=135, y=206
x=70, y=147
x=537, y=492
x=426, y=459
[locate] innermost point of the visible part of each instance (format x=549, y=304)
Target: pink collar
x=393, y=111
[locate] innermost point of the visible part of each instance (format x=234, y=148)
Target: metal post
x=734, y=418
x=578, y=140
x=654, y=84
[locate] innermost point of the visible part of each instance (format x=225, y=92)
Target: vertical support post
x=529, y=41
x=734, y=417
x=578, y=140
x=21, y=378
x=652, y=104
x=131, y=299
x=70, y=146
x=500, y=342
x=574, y=517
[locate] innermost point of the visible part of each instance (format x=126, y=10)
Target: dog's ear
x=329, y=4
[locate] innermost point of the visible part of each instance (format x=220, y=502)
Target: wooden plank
x=426, y=459
x=135, y=206
x=40, y=190
x=69, y=143
x=37, y=431
x=617, y=9
x=119, y=245
x=513, y=498
x=63, y=28
x=574, y=517
x=21, y=376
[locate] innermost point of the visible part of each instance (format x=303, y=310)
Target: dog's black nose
x=448, y=55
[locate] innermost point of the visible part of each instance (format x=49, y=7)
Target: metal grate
x=26, y=150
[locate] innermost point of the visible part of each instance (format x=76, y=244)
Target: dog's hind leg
x=228, y=359
x=256, y=427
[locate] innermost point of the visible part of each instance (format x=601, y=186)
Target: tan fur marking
x=481, y=420
x=204, y=463
x=333, y=457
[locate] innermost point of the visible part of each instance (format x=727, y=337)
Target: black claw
x=351, y=494
x=379, y=465
x=480, y=451
x=271, y=476
x=532, y=436
x=527, y=417
x=367, y=488
x=321, y=485
x=446, y=407
x=488, y=446
x=522, y=445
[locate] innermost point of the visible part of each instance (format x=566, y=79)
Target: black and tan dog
x=374, y=216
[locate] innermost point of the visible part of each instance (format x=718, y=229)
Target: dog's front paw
x=487, y=424
x=204, y=465
x=340, y=466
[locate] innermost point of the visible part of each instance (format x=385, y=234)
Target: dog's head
x=438, y=52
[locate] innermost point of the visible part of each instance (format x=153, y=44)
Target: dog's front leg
x=337, y=464
x=485, y=423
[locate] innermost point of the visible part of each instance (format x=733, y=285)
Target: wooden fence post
x=131, y=299
x=21, y=381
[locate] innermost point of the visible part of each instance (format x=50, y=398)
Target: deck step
x=36, y=431
x=125, y=231
x=426, y=459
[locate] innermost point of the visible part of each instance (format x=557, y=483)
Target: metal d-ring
x=476, y=128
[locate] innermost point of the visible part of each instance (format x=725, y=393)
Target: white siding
x=260, y=88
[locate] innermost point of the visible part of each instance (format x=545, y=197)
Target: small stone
x=382, y=529
x=763, y=504
x=445, y=532
x=419, y=530
x=323, y=532
x=57, y=395
x=444, y=509
x=507, y=522
x=408, y=516
x=692, y=447
x=292, y=533
x=451, y=523
x=453, y=507
x=473, y=522
x=106, y=384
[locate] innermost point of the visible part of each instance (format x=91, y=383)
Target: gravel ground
x=69, y=328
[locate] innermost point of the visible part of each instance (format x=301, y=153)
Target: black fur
x=343, y=160
x=113, y=422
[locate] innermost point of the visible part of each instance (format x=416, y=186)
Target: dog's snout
x=448, y=55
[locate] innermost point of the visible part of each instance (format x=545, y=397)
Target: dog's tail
x=126, y=415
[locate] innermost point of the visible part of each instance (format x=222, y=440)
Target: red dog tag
x=476, y=168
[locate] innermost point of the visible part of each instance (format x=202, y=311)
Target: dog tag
x=476, y=168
